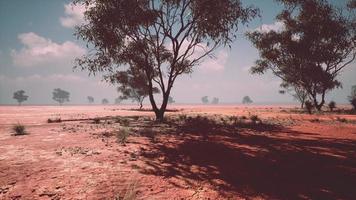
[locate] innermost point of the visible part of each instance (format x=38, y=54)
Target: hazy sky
x=37, y=48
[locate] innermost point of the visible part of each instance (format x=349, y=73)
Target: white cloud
x=53, y=78
x=276, y=26
x=74, y=15
x=38, y=51
x=215, y=64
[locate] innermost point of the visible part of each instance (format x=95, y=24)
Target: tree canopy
x=205, y=99
x=246, y=100
x=161, y=38
x=90, y=99
x=315, y=44
x=60, y=96
x=20, y=96
x=104, y=101
x=133, y=85
x=215, y=100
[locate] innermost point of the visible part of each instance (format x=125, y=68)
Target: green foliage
x=20, y=96
x=332, y=105
x=60, y=96
x=205, y=99
x=105, y=101
x=146, y=38
x=315, y=44
x=90, y=99
x=19, y=129
x=171, y=100
x=215, y=100
x=246, y=100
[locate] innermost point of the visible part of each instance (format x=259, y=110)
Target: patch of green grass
x=19, y=129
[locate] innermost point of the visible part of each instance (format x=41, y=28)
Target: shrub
x=316, y=120
x=343, y=120
x=255, y=119
x=122, y=135
x=56, y=120
x=309, y=106
x=96, y=120
x=332, y=105
x=19, y=129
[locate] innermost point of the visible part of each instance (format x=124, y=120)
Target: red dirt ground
x=302, y=157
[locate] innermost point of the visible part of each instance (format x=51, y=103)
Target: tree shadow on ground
x=255, y=160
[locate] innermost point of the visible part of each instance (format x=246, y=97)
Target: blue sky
x=31, y=29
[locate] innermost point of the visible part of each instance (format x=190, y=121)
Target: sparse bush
x=19, y=129
x=122, y=135
x=96, y=120
x=254, y=119
x=243, y=117
x=316, y=120
x=56, y=120
x=343, y=120
x=332, y=105
x=309, y=106
x=124, y=121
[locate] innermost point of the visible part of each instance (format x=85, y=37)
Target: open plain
x=199, y=152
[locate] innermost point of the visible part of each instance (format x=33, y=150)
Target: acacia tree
x=171, y=100
x=215, y=100
x=90, y=99
x=316, y=43
x=246, y=100
x=162, y=38
x=298, y=93
x=104, y=101
x=133, y=85
x=205, y=99
x=20, y=96
x=60, y=95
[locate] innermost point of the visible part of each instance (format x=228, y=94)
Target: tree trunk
x=141, y=105
x=320, y=105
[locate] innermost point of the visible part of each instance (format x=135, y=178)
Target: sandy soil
x=287, y=156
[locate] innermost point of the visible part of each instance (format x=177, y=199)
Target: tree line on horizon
x=158, y=41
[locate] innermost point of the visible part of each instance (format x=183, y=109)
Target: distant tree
x=298, y=93
x=90, y=99
x=205, y=99
x=20, y=96
x=171, y=100
x=134, y=85
x=352, y=97
x=215, y=100
x=160, y=37
x=246, y=100
x=316, y=43
x=332, y=105
x=60, y=96
x=118, y=100
x=104, y=101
